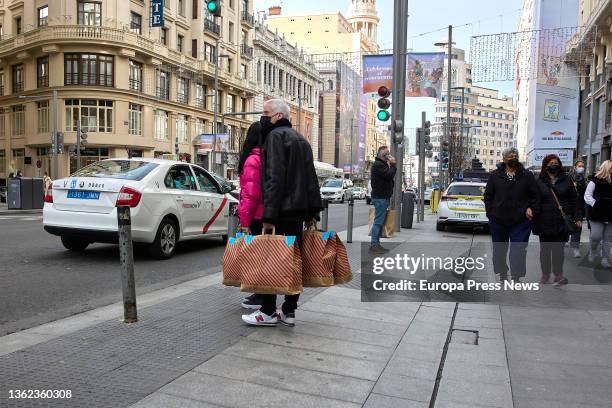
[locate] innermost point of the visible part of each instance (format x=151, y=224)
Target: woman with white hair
x=598, y=196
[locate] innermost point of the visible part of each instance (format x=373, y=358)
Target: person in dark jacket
x=291, y=196
x=598, y=196
x=511, y=201
x=381, y=178
x=554, y=184
x=579, y=180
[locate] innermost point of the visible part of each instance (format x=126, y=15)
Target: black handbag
x=569, y=224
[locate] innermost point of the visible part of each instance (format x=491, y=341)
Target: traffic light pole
x=448, y=97
x=400, y=27
x=78, y=145
x=421, y=215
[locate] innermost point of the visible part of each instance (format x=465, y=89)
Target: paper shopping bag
x=231, y=262
x=271, y=264
x=342, y=267
x=318, y=258
x=387, y=229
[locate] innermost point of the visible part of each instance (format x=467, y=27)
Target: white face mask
x=579, y=170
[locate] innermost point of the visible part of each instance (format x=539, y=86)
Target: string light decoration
x=546, y=55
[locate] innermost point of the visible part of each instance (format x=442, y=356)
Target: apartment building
x=139, y=91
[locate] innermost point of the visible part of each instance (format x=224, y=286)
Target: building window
x=163, y=36
x=88, y=69
x=89, y=13
x=243, y=105
x=182, y=90
x=43, y=116
x=95, y=115
x=181, y=7
x=200, y=126
x=136, y=23
x=201, y=91
x=18, y=120
x=2, y=160
x=43, y=15
x=210, y=53
x=243, y=72
x=230, y=33
x=18, y=25
x=161, y=125
x=1, y=82
x=162, y=84
x=179, y=43
x=135, y=76
x=135, y=119
x=2, y=129
x=230, y=103
x=194, y=48
x=42, y=72
x=181, y=128
x=230, y=63
x=18, y=78
x=18, y=158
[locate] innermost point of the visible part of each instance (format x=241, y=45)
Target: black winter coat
x=602, y=210
x=549, y=220
x=381, y=178
x=506, y=201
x=580, y=184
x=290, y=186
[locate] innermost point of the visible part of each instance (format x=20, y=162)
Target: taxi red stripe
x=214, y=217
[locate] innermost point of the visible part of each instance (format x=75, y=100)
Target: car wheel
x=440, y=226
x=166, y=239
x=74, y=244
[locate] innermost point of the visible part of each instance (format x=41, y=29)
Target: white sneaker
x=260, y=319
x=286, y=319
x=605, y=263
x=577, y=253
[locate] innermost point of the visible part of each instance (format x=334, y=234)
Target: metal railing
x=17, y=87
x=135, y=85
x=162, y=92
x=212, y=27
x=248, y=18
x=90, y=79
x=246, y=51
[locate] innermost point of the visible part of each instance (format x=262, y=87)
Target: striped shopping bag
x=271, y=264
x=231, y=262
x=342, y=267
x=318, y=258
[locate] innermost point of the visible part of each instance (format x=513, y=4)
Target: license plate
x=83, y=195
x=467, y=216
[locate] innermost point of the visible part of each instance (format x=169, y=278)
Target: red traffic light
x=384, y=92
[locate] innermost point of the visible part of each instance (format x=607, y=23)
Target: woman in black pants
x=556, y=189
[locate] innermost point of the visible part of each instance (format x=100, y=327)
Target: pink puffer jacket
x=250, y=205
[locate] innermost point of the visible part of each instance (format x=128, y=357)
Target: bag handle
x=311, y=225
x=557, y=200
x=263, y=231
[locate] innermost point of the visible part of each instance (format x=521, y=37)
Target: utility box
x=407, y=210
x=25, y=193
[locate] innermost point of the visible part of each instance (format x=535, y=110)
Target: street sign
x=38, y=164
x=157, y=13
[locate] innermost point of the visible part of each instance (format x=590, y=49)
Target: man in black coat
x=511, y=201
x=291, y=196
x=381, y=177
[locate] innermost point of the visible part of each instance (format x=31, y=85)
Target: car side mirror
x=226, y=188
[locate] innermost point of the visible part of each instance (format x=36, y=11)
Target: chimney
x=275, y=11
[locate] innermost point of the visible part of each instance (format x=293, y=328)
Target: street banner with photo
x=205, y=142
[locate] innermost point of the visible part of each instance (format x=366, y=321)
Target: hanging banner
x=205, y=142
x=424, y=73
x=157, y=13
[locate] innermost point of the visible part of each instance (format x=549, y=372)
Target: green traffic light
x=383, y=115
x=212, y=6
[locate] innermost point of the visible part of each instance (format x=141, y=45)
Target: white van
x=336, y=190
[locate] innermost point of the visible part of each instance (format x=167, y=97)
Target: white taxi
x=462, y=204
x=170, y=201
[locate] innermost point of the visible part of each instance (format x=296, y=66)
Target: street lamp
x=216, y=103
x=449, y=45
x=54, y=144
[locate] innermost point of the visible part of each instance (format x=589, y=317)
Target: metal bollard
x=232, y=220
x=349, y=225
x=325, y=215
x=126, y=254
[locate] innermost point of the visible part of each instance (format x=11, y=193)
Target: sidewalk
x=5, y=211
x=190, y=349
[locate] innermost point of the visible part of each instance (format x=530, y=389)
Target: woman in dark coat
x=549, y=223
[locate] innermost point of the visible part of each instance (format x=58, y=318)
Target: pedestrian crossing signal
x=213, y=7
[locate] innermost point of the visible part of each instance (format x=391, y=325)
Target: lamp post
x=216, y=102
x=54, y=141
x=449, y=45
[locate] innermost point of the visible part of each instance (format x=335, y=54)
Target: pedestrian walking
x=381, y=177
x=558, y=198
x=19, y=174
x=511, y=201
x=578, y=178
x=47, y=182
x=598, y=196
x=291, y=196
x=250, y=200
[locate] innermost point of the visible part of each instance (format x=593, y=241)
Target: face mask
x=513, y=163
x=553, y=168
x=266, y=121
x=386, y=156
x=579, y=170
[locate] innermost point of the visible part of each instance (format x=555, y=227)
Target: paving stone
x=479, y=355
x=161, y=400
x=310, y=360
x=411, y=367
x=288, y=378
x=384, y=401
x=340, y=321
x=522, y=402
x=471, y=393
x=239, y=394
x=372, y=314
x=426, y=352
x=411, y=388
x=476, y=323
x=565, y=392
x=563, y=373
x=343, y=333
x=477, y=373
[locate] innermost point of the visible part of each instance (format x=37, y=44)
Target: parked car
x=462, y=204
x=170, y=201
x=359, y=193
x=336, y=190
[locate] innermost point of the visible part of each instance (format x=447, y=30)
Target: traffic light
x=60, y=142
x=384, y=103
x=81, y=138
x=444, y=154
x=214, y=7
x=427, y=139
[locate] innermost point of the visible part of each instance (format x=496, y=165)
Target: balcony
x=162, y=92
x=17, y=87
x=248, y=19
x=212, y=27
x=246, y=51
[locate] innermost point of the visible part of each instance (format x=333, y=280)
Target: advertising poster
x=205, y=142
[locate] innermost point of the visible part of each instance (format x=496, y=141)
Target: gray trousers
x=601, y=233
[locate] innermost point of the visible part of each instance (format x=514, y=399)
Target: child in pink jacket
x=250, y=200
